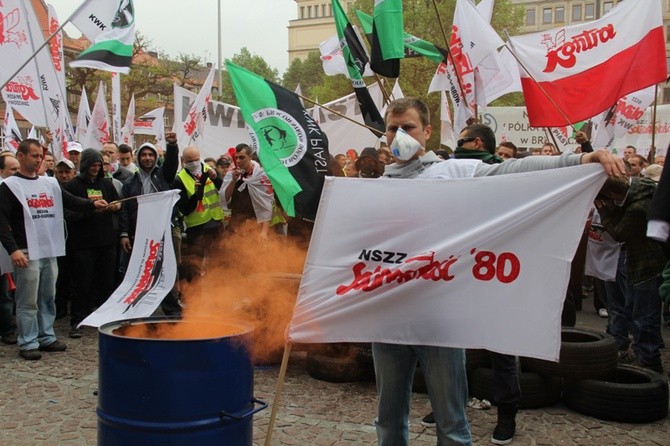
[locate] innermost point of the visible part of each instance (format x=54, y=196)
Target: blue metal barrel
x=175, y=392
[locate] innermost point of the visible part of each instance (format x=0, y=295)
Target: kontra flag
x=387, y=38
x=586, y=68
x=110, y=25
x=356, y=60
x=482, y=284
x=292, y=148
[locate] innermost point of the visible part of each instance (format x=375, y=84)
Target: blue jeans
x=446, y=381
x=646, y=317
x=35, y=307
x=620, y=305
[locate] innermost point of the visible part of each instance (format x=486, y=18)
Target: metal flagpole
x=652, y=149
x=60, y=28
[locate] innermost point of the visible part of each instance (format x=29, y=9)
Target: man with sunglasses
x=407, y=130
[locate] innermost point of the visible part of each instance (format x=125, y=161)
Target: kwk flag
x=586, y=68
x=387, y=38
x=128, y=130
x=83, y=116
x=414, y=283
x=620, y=118
x=110, y=25
x=356, y=60
x=292, y=148
x=152, y=269
x=116, y=107
x=11, y=132
x=193, y=127
x=97, y=132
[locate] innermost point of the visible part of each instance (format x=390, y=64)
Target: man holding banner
x=407, y=129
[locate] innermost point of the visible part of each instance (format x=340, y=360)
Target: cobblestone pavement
x=53, y=401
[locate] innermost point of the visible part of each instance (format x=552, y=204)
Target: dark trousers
x=64, y=283
x=7, y=325
x=94, y=271
x=506, y=393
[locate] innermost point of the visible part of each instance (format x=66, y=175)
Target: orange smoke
x=250, y=280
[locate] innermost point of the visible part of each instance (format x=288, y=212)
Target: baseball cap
x=67, y=162
x=74, y=146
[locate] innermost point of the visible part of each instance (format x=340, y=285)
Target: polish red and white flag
x=586, y=68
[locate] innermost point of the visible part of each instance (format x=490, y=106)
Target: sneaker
x=30, y=355
x=9, y=339
x=55, y=346
x=428, y=420
x=603, y=313
x=76, y=333
x=625, y=357
x=504, y=431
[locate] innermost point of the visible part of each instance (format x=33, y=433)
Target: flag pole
x=387, y=98
x=509, y=47
x=553, y=138
x=652, y=149
x=278, y=391
x=450, y=54
x=46, y=42
x=340, y=114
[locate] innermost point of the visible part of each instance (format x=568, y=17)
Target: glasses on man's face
x=460, y=142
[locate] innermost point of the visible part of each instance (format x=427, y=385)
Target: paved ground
x=53, y=401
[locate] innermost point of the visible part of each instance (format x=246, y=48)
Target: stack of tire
x=587, y=377
x=341, y=362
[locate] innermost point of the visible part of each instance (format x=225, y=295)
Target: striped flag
x=110, y=25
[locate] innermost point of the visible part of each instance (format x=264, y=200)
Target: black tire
x=536, y=390
x=335, y=369
x=476, y=358
x=365, y=362
x=634, y=395
x=584, y=354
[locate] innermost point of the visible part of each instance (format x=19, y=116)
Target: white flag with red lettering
x=192, y=129
x=152, y=123
x=152, y=269
x=484, y=283
x=586, y=68
x=11, y=133
x=97, y=132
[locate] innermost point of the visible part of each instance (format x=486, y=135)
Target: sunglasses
x=460, y=142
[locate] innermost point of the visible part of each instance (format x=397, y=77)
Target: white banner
x=494, y=280
x=116, y=108
x=83, y=116
x=511, y=124
x=97, y=132
x=153, y=267
x=226, y=128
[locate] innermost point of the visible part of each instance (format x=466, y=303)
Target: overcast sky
x=190, y=26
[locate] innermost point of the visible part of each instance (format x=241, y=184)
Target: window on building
x=530, y=17
x=559, y=14
x=302, y=12
x=316, y=10
x=576, y=13
x=607, y=6
x=589, y=11
x=666, y=95
x=324, y=10
x=546, y=15
x=309, y=11
x=667, y=33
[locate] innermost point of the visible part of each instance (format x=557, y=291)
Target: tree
x=308, y=73
x=251, y=62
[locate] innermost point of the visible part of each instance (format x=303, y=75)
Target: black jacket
x=161, y=177
x=91, y=230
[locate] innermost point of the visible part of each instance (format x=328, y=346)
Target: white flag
x=619, y=119
x=332, y=58
x=11, y=132
x=191, y=131
x=482, y=284
x=83, y=116
x=98, y=128
x=128, y=131
x=116, y=107
x=152, y=269
x=447, y=137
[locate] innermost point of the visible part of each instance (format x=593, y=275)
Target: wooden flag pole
x=340, y=114
x=278, y=391
x=509, y=47
x=387, y=97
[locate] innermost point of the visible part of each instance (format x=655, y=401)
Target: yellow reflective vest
x=209, y=208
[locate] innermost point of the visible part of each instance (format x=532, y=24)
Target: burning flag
x=292, y=148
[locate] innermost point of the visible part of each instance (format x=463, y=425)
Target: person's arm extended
x=612, y=165
x=171, y=163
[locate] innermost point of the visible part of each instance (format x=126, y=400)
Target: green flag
x=293, y=150
x=387, y=38
x=413, y=45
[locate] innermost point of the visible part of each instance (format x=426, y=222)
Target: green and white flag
x=291, y=146
x=387, y=38
x=110, y=25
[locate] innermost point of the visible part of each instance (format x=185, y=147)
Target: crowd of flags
x=594, y=70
